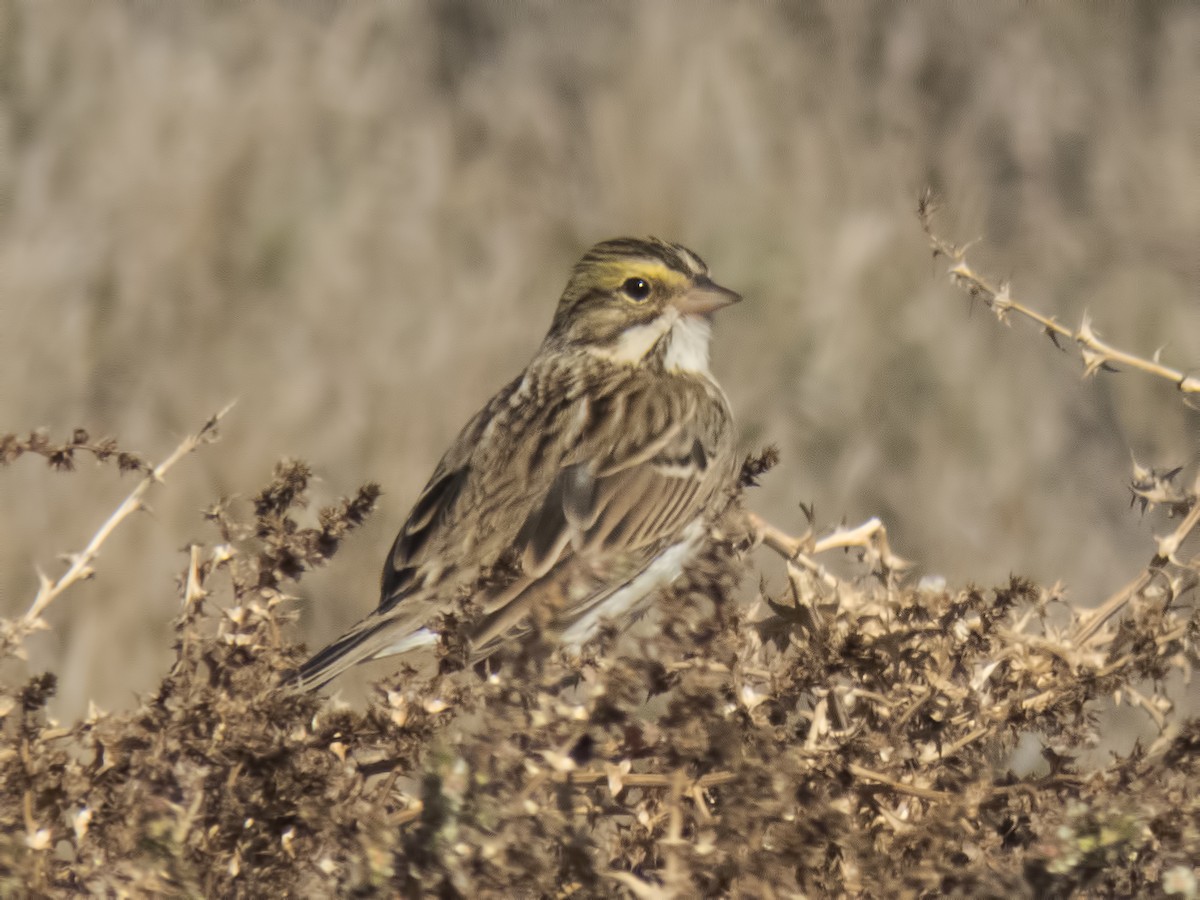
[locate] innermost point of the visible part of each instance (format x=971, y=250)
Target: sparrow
x=584, y=487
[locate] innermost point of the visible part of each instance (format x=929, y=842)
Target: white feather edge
x=422, y=637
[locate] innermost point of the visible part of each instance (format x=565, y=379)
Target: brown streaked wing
x=430, y=513
x=439, y=508
x=622, y=505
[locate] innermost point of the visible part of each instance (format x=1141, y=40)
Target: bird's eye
x=636, y=288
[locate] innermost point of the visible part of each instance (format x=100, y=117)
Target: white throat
x=687, y=350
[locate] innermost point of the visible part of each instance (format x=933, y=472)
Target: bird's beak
x=704, y=297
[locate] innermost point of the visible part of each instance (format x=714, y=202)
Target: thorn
x=1002, y=303
x=1093, y=362
x=960, y=271
x=1140, y=472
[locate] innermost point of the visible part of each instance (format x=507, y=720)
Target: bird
x=584, y=487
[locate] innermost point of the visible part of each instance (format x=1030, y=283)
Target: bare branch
x=80, y=567
x=1095, y=353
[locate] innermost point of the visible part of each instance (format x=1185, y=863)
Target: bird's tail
x=373, y=638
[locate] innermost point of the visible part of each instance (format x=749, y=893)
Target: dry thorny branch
x=848, y=736
x=1095, y=353
x=80, y=564
x=1165, y=573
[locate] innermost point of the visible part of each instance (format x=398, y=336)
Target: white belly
x=659, y=574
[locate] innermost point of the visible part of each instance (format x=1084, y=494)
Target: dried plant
x=997, y=296
x=79, y=565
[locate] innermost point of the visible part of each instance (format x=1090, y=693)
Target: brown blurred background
x=356, y=220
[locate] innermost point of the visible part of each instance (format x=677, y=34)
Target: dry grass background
x=356, y=220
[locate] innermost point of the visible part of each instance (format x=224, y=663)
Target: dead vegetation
x=850, y=735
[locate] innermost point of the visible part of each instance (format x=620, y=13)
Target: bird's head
x=632, y=299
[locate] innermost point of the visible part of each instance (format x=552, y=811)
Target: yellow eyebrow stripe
x=650, y=270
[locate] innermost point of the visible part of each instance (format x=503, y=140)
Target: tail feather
x=373, y=638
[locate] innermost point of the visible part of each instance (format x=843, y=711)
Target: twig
x=1094, y=620
x=1095, y=353
x=409, y=815
x=899, y=786
x=673, y=874
x=193, y=591
x=778, y=540
x=870, y=536
x=80, y=568
x=964, y=741
x=1167, y=546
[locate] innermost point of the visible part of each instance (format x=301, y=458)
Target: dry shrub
x=338, y=212
x=849, y=736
